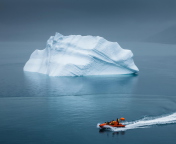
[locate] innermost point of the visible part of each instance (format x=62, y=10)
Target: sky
x=115, y=20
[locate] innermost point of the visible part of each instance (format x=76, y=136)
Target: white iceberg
x=77, y=55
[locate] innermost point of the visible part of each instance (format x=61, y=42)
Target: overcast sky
x=116, y=20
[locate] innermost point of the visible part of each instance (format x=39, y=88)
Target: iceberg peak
x=77, y=55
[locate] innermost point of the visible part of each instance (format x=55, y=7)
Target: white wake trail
x=147, y=122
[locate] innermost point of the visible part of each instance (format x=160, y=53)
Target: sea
x=38, y=109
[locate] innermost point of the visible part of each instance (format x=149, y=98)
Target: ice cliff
x=77, y=55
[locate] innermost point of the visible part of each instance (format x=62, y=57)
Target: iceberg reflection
x=42, y=85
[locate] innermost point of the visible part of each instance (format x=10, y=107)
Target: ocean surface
x=38, y=109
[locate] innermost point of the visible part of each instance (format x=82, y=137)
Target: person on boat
x=118, y=121
x=107, y=123
x=111, y=122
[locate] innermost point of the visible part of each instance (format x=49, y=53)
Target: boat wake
x=146, y=122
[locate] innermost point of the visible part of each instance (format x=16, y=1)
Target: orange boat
x=113, y=123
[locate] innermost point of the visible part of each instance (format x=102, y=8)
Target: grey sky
x=116, y=20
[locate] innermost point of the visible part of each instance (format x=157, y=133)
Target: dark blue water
x=36, y=108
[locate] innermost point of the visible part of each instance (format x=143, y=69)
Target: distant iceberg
x=77, y=55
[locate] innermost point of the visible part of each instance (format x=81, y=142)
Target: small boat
x=103, y=125
x=112, y=124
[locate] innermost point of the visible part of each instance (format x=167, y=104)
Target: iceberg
x=77, y=55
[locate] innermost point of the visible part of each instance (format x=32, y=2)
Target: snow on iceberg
x=77, y=55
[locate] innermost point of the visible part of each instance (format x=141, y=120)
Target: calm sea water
x=38, y=109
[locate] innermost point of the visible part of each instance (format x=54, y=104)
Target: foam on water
x=146, y=122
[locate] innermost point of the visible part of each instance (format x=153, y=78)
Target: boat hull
x=104, y=125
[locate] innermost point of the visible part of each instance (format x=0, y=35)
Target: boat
x=103, y=125
x=112, y=124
